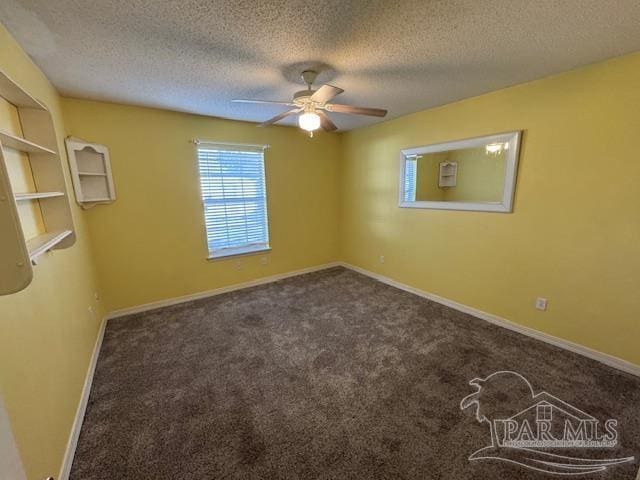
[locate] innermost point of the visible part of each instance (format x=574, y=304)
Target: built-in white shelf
x=15, y=95
x=37, y=139
x=20, y=197
x=36, y=246
x=91, y=172
x=18, y=143
x=96, y=199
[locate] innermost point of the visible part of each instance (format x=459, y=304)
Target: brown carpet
x=329, y=375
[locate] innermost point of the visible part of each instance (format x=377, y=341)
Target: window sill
x=237, y=252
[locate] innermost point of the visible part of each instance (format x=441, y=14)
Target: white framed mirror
x=472, y=174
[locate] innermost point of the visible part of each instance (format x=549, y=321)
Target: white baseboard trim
x=67, y=462
x=607, y=359
x=211, y=293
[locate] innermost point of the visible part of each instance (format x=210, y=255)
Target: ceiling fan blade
x=268, y=102
x=279, y=117
x=326, y=93
x=326, y=123
x=373, y=112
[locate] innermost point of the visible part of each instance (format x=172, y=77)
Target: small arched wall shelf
x=91, y=172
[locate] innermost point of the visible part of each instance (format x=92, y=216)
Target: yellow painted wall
x=150, y=244
x=574, y=236
x=46, y=332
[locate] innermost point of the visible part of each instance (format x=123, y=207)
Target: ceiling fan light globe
x=309, y=121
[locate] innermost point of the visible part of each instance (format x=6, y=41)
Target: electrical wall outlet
x=264, y=260
x=381, y=258
x=541, y=303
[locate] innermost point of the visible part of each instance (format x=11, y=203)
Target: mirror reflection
x=464, y=175
x=473, y=174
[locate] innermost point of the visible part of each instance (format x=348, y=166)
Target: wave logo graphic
x=525, y=425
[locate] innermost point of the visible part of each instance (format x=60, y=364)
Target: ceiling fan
x=310, y=106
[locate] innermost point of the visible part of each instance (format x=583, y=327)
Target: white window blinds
x=235, y=199
x=410, y=172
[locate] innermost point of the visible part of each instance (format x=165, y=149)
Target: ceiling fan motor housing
x=303, y=96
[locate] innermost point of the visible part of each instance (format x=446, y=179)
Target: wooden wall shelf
x=38, y=144
x=45, y=242
x=15, y=95
x=22, y=145
x=90, y=167
x=20, y=197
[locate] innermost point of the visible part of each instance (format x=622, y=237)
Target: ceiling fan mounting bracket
x=308, y=77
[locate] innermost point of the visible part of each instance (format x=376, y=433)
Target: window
x=234, y=198
x=411, y=167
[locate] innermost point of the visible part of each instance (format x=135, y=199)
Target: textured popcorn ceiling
x=197, y=55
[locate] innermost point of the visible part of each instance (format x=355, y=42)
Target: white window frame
x=246, y=249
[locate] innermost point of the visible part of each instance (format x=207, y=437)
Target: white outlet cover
x=541, y=303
